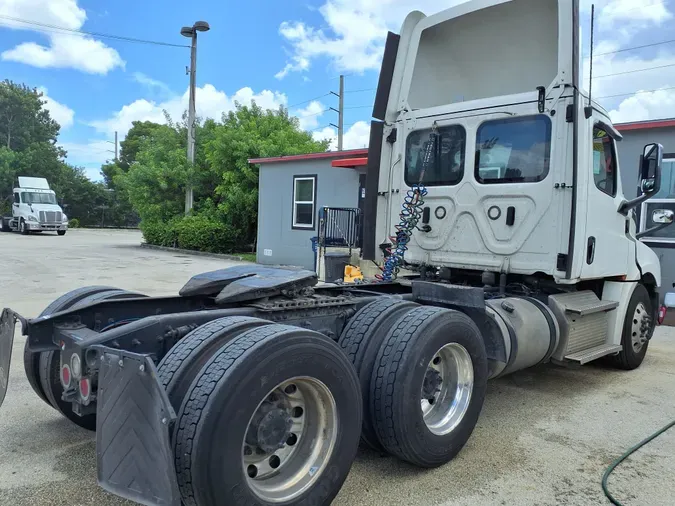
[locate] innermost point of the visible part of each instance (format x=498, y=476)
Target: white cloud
x=356, y=136
x=309, y=116
x=642, y=106
x=65, y=50
x=210, y=102
x=149, y=82
x=90, y=155
x=59, y=112
x=354, y=40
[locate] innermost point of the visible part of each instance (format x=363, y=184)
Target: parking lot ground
x=545, y=435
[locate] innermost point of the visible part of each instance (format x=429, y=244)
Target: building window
x=513, y=150
x=604, y=162
x=664, y=199
x=304, y=202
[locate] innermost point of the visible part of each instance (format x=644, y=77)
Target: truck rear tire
x=61, y=232
x=274, y=417
x=31, y=360
x=4, y=225
x=428, y=385
x=637, y=330
x=181, y=365
x=361, y=340
x=50, y=363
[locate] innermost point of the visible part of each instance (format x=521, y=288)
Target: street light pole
x=199, y=26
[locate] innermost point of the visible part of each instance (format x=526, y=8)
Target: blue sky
x=274, y=52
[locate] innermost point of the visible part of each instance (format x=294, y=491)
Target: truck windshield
x=38, y=198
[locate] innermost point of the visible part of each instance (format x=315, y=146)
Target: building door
x=362, y=206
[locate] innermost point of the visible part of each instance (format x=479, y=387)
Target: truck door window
x=447, y=167
x=17, y=200
x=513, y=150
x=604, y=162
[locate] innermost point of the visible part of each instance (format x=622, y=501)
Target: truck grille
x=50, y=216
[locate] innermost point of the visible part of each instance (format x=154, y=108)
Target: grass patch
x=249, y=257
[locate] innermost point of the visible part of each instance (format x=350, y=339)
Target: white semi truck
x=34, y=209
x=492, y=178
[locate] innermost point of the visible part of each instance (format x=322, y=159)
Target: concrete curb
x=192, y=252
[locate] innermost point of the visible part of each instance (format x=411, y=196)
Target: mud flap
x=133, y=449
x=7, y=324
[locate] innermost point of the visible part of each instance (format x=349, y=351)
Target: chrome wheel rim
x=290, y=439
x=640, y=327
x=446, y=389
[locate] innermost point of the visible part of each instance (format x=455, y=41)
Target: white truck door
x=606, y=245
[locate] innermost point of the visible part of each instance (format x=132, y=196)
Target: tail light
x=66, y=377
x=85, y=389
x=662, y=314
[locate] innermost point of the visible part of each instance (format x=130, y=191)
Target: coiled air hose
x=409, y=217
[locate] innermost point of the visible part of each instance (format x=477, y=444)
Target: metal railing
x=340, y=227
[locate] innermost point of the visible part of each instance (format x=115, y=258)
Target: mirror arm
x=627, y=205
x=652, y=230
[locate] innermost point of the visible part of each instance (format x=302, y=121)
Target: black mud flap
x=133, y=449
x=7, y=323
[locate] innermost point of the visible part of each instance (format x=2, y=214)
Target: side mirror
x=651, y=162
x=664, y=218
x=650, y=169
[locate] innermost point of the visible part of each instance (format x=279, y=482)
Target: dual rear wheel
x=267, y=414
x=423, y=374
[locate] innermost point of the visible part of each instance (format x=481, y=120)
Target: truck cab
x=493, y=167
x=35, y=209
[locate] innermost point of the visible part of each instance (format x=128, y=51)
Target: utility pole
x=341, y=111
x=186, y=31
x=115, y=143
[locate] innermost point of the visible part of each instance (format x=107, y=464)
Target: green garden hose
x=624, y=457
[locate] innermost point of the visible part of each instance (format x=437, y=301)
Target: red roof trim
x=645, y=125
x=311, y=156
x=350, y=162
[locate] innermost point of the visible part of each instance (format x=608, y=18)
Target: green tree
x=251, y=132
x=140, y=132
x=23, y=120
x=225, y=184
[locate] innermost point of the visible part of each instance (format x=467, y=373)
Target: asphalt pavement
x=544, y=438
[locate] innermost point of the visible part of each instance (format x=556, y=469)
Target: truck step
x=583, y=322
x=585, y=356
x=585, y=303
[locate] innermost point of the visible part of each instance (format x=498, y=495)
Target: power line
x=635, y=71
x=307, y=101
x=315, y=114
x=359, y=91
x=359, y=107
x=634, y=93
x=94, y=34
x=633, y=47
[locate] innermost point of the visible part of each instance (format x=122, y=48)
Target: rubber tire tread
x=627, y=359
x=361, y=340
x=177, y=369
x=407, y=338
x=210, y=379
x=31, y=360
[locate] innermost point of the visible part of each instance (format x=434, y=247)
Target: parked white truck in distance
x=34, y=209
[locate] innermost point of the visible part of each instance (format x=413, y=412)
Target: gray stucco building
x=635, y=137
x=292, y=190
